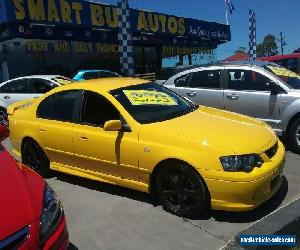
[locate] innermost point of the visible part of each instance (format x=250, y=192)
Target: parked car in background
x=141, y=135
x=27, y=87
x=262, y=90
x=31, y=215
x=93, y=74
x=289, y=61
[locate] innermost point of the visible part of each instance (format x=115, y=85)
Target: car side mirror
x=4, y=132
x=274, y=88
x=113, y=125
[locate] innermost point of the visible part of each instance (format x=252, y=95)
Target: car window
x=247, y=80
x=96, y=110
x=206, y=79
x=104, y=74
x=16, y=87
x=41, y=86
x=59, y=106
x=182, y=81
x=90, y=75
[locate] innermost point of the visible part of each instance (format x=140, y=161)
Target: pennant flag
x=252, y=35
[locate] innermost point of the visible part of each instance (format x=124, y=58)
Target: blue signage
x=2, y=12
x=91, y=15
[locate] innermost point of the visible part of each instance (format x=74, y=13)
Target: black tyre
x=3, y=116
x=35, y=158
x=294, y=136
x=181, y=190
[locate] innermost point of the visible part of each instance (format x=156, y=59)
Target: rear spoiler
x=19, y=105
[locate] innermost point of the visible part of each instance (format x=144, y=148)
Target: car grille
x=272, y=151
x=15, y=240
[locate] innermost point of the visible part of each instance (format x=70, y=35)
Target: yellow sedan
x=140, y=135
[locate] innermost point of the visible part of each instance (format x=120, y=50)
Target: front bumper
x=247, y=195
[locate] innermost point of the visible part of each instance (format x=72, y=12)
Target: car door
x=247, y=92
x=39, y=86
x=56, y=114
x=113, y=153
x=203, y=87
x=14, y=91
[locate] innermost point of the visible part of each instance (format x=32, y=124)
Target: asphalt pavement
x=103, y=216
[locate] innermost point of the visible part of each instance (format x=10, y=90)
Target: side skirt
x=100, y=177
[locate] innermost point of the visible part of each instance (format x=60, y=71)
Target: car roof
x=47, y=77
x=104, y=84
x=243, y=63
x=94, y=70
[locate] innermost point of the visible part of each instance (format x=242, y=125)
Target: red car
x=31, y=216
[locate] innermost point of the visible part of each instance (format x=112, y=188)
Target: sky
x=272, y=17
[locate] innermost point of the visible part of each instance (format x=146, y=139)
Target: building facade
x=63, y=36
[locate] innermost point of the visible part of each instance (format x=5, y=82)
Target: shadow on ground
x=104, y=187
x=222, y=216
x=72, y=247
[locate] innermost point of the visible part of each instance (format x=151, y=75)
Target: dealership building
x=63, y=36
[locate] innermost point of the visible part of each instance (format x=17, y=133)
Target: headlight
x=241, y=162
x=51, y=213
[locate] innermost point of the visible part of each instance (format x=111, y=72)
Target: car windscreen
x=290, y=78
x=62, y=80
x=150, y=102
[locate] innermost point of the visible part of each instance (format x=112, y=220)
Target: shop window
x=97, y=110
x=59, y=106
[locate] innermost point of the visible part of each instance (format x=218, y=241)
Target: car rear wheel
x=35, y=158
x=181, y=190
x=294, y=136
x=3, y=116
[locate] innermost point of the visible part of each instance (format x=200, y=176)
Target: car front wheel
x=181, y=190
x=34, y=157
x=294, y=136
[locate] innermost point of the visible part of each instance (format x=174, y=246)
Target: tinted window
x=41, y=86
x=59, y=106
x=206, y=79
x=16, y=87
x=182, y=81
x=247, y=80
x=106, y=74
x=96, y=110
x=90, y=75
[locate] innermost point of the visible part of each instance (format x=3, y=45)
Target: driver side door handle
x=232, y=96
x=191, y=93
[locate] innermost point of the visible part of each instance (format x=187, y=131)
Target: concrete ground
x=102, y=216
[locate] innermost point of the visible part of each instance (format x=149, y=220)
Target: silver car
x=262, y=90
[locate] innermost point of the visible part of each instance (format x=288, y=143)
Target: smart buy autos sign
x=89, y=14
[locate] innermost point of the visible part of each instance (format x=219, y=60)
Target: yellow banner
x=283, y=72
x=148, y=97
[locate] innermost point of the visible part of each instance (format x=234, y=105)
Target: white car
x=22, y=88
